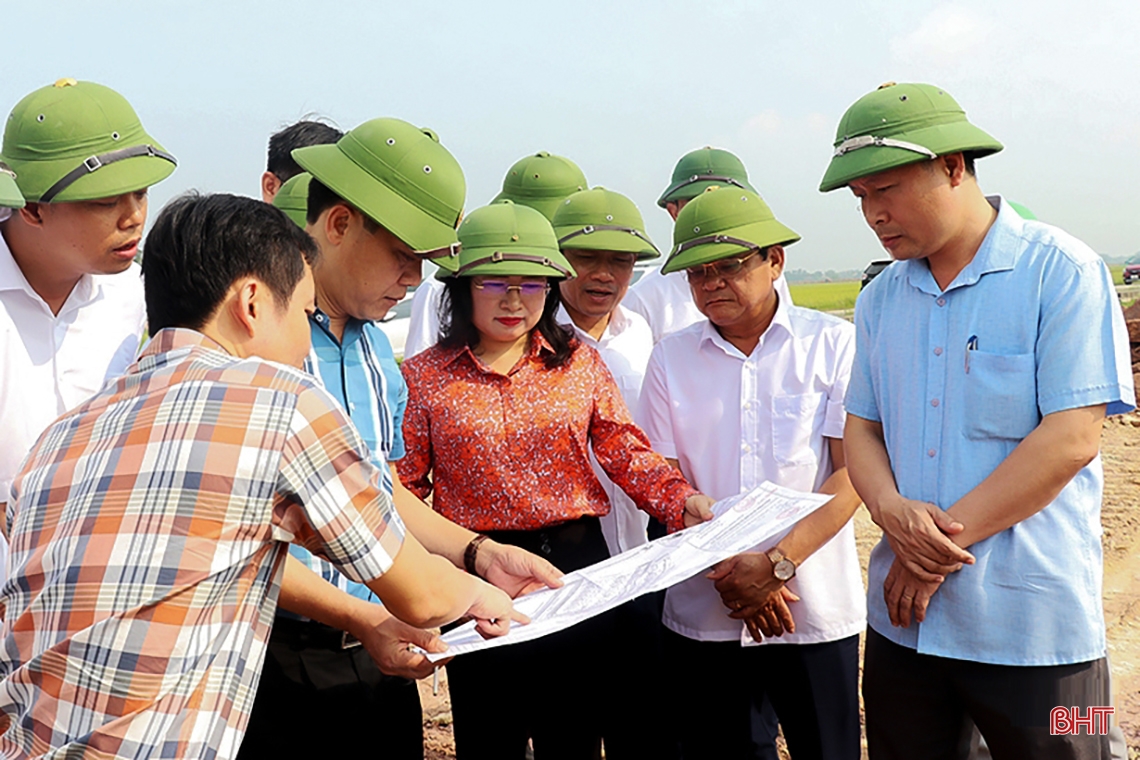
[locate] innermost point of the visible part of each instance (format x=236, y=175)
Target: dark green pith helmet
x=80, y=141
x=10, y=196
x=900, y=124
x=506, y=239
x=602, y=220
x=293, y=198
x=720, y=223
x=542, y=181
x=400, y=177
x=701, y=169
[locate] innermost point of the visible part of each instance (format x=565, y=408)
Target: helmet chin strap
x=870, y=141
x=94, y=163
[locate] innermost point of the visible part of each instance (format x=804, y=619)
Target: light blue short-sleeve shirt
x=958, y=378
x=361, y=373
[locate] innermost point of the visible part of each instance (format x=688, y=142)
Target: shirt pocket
x=1001, y=396
x=795, y=420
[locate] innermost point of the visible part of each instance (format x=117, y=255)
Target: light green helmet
x=900, y=124
x=701, y=169
x=507, y=239
x=602, y=220
x=722, y=223
x=293, y=198
x=10, y=196
x=80, y=141
x=400, y=177
x=541, y=181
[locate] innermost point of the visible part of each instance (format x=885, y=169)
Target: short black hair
x=457, y=328
x=300, y=135
x=322, y=198
x=200, y=244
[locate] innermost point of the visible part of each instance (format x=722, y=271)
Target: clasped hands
x=753, y=594
x=919, y=533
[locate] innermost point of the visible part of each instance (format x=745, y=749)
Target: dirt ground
x=1120, y=452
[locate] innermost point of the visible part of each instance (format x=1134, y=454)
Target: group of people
x=217, y=476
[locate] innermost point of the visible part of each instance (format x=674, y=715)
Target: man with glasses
x=754, y=392
x=380, y=200
x=988, y=356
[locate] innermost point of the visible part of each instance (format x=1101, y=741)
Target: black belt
x=309, y=634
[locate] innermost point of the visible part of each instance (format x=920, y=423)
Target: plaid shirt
x=147, y=533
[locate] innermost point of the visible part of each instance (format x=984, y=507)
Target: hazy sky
x=624, y=88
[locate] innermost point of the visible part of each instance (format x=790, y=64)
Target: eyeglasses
x=499, y=288
x=722, y=269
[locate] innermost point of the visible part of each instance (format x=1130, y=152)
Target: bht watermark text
x=1068, y=720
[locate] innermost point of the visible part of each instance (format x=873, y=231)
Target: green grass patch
x=825, y=296
x=1117, y=273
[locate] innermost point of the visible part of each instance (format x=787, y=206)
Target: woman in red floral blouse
x=501, y=417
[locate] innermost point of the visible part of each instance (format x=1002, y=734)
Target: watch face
x=784, y=570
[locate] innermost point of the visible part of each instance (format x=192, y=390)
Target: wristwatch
x=782, y=567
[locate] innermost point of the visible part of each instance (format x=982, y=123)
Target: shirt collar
x=12, y=278
x=536, y=346
x=173, y=338
x=353, y=328
x=781, y=320
x=997, y=253
x=619, y=322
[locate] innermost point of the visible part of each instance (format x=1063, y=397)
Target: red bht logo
x=1068, y=720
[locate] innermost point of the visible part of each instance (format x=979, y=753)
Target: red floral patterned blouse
x=511, y=452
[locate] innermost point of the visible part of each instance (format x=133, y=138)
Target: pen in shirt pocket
x=971, y=345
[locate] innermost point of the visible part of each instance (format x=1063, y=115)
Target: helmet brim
x=608, y=240
x=763, y=234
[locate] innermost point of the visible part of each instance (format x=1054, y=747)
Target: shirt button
x=352, y=406
x=938, y=351
x=747, y=405
x=934, y=402
x=931, y=453
x=941, y=302
x=745, y=447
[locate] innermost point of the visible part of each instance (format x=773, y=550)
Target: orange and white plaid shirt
x=148, y=531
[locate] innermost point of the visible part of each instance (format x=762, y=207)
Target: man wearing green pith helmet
x=987, y=357
x=752, y=393
x=71, y=298
x=665, y=302
x=539, y=181
x=378, y=202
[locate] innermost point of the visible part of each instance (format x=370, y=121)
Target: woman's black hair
x=456, y=328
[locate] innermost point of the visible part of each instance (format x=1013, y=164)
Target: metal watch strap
x=95, y=163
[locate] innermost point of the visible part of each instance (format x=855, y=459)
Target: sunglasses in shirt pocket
x=796, y=418
x=1001, y=396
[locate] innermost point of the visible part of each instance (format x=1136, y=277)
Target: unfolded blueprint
x=741, y=523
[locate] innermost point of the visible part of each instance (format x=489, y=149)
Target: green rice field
x=825, y=296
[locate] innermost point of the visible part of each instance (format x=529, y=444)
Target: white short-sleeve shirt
x=625, y=347
x=734, y=421
x=49, y=363
x=423, y=324
x=666, y=303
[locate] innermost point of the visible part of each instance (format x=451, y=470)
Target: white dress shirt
x=625, y=347
x=734, y=421
x=423, y=324
x=666, y=303
x=50, y=363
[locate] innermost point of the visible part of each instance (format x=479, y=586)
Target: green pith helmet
x=602, y=220
x=80, y=141
x=10, y=196
x=399, y=176
x=541, y=181
x=727, y=222
x=293, y=198
x=701, y=169
x=900, y=124
x=506, y=239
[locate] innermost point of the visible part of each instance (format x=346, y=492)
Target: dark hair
x=200, y=244
x=968, y=159
x=456, y=328
x=321, y=198
x=300, y=135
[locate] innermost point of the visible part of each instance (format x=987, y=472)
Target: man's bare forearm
x=868, y=464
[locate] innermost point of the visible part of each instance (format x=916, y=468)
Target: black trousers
x=567, y=690
x=916, y=703
x=812, y=687
x=318, y=700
